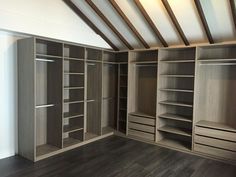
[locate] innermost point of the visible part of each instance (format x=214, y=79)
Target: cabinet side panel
x=26, y=98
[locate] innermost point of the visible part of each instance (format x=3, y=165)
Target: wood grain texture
x=117, y=157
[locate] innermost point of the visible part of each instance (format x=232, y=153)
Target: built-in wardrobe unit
x=69, y=95
x=182, y=98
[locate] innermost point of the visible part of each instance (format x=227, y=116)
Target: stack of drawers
x=141, y=127
x=215, y=139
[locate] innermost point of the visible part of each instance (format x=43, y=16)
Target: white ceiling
x=217, y=12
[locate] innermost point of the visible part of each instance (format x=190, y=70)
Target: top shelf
x=142, y=114
x=215, y=125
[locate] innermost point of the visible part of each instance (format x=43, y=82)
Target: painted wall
x=38, y=17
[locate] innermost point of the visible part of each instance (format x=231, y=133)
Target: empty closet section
x=109, y=92
x=73, y=94
x=215, y=99
x=142, y=93
x=122, y=59
x=93, y=93
x=175, y=97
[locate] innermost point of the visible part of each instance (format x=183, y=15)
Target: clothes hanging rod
x=44, y=106
x=218, y=64
x=44, y=60
x=142, y=65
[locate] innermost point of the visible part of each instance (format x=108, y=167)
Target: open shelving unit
x=175, y=97
x=215, y=123
x=142, y=93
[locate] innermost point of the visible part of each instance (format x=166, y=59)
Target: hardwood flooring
x=117, y=157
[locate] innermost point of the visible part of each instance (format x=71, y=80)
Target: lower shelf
x=45, y=149
x=175, y=144
x=70, y=141
x=89, y=136
x=106, y=130
x=176, y=130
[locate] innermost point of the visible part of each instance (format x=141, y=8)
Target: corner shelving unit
x=142, y=94
x=175, y=97
x=215, y=123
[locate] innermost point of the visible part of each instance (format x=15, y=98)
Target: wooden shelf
x=38, y=55
x=68, y=115
x=89, y=136
x=175, y=117
x=71, y=128
x=215, y=125
x=93, y=61
x=175, y=144
x=176, y=90
x=106, y=130
x=175, y=130
x=70, y=73
x=73, y=88
x=144, y=62
x=140, y=114
x=178, y=61
x=176, y=75
x=218, y=60
x=71, y=58
x=45, y=149
x=70, y=142
x=172, y=103
x=68, y=101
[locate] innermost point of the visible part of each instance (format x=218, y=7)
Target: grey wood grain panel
x=142, y=120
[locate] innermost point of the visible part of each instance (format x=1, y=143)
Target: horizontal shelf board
x=178, y=61
x=38, y=55
x=75, y=88
x=68, y=115
x=215, y=125
x=94, y=61
x=69, y=128
x=175, y=130
x=88, y=136
x=45, y=149
x=175, y=117
x=144, y=62
x=70, y=73
x=177, y=75
x=108, y=98
x=110, y=62
x=217, y=60
x=176, y=90
x=72, y=58
x=172, y=103
x=89, y=101
x=70, y=142
x=175, y=144
x=140, y=114
x=67, y=101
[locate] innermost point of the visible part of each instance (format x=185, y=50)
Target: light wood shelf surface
x=173, y=103
x=175, y=130
x=176, y=117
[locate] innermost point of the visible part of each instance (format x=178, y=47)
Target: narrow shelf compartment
x=176, y=90
x=175, y=144
x=45, y=149
x=177, y=75
x=71, y=128
x=68, y=115
x=89, y=136
x=176, y=117
x=176, y=130
x=140, y=114
x=215, y=125
x=172, y=103
x=70, y=142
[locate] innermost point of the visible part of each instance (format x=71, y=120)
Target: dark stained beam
x=175, y=21
x=108, y=23
x=150, y=22
x=233, y=9
x=89, y=23
x=128, y=22
x=204, y=21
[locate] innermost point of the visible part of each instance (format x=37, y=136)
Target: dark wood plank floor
x=117, y=157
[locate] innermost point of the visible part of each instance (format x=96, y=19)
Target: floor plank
x=117, y=157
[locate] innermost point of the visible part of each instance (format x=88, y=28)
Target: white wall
x=49, y=18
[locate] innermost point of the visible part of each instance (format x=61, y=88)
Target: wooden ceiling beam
x=150, y=22
x=89, y=23
x=204, y=21
x=109, y=24
x=233, y=10
x=128, y=22
x=175, y=21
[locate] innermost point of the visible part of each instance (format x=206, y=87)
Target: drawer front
x=215, y=133
x=142, y=120
x=141, y=135
x=215, y=143
x=215, y=152
x=145, y=128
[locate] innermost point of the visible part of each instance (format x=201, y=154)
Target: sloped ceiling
x=135, y=24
